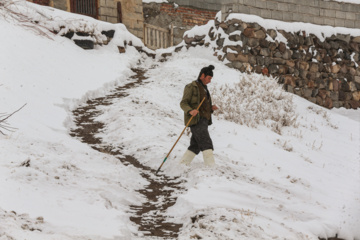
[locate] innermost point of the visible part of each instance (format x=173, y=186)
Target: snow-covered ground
x=302, y=184
x=67, y=183
x=297, y=185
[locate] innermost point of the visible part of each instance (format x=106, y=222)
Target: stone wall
x=324, y=72
x=183, y=17
x=132, y=11
x=336, y=14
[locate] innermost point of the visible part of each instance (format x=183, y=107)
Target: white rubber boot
x=188, y=157
x=209, y=158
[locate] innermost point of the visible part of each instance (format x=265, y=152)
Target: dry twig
x=3, y=121
x=22, y=19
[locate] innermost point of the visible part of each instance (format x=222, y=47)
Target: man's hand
x=214, y=107
x=193, y=112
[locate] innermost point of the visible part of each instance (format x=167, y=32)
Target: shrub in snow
x=324, y=114
x=284, y=145
x=256, y=100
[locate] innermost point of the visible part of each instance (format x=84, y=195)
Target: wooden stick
x=180, y=136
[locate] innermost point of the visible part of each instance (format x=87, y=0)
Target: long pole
x=180, y=136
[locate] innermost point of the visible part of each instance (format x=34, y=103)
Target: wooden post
x=156, y=37
x=119, y=12
x=160, y=39
x=145, y=35
x=158, y=45
x=151, y=38
x=172, y=35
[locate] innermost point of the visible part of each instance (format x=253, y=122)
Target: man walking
x=200, y=139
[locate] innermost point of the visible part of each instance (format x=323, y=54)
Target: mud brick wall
x=322, y=12
x=324, y=72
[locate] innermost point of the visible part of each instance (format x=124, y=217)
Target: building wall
x=61, y=4
x=133, y=18
x=321, y=12
x=108, y=11
x=132, y=14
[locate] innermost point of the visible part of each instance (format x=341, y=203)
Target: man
x=200, y=139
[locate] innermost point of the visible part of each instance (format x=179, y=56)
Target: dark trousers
x=200, y=138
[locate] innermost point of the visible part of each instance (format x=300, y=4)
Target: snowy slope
x=302, y=184
x=66, y=183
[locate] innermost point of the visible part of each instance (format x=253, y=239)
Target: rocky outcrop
x=325, y=72
x=87, y=40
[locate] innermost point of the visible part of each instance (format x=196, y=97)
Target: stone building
x=128, y=12
x=321, y=12
x=134, y=14
x=161, y=25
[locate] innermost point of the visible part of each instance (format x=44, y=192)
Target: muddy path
x=159, y=194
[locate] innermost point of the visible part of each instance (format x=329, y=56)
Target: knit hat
x=208, y=71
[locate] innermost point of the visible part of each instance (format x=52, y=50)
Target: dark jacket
x=193, y=94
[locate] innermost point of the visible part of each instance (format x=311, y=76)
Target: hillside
x=285, y=168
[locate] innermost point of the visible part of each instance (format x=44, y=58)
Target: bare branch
x=25, y=21
x=4, y=117
x=1, y=120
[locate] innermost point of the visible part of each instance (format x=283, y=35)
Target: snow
x=319, y=31
x=154, y=1
x=348, y=1
x=352, y=59
x=302, y=184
